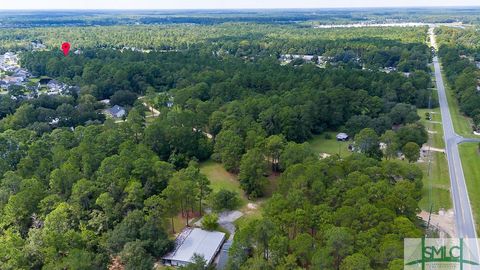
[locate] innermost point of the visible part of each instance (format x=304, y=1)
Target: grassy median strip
x=470, y=157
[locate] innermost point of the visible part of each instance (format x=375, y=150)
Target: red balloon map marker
x=65, y=48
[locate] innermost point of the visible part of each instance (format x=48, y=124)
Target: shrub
x=224, y=200
x=210, y=222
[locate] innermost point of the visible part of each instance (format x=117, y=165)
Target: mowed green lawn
x=330, y=146
x=436, y=184
x=435, y=114
x=471, y=168
x=436, y=180
x=434, y=126
x=220, y=178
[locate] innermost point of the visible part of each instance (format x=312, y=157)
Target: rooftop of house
x=196, y=241
x=115, y=110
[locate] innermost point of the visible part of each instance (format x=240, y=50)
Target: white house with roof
x=194, y=241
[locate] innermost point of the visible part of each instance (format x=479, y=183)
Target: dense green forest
x=334, y=214
x=231, y=37
x=89, y=192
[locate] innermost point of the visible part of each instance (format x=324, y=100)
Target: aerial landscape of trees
x=89, y=192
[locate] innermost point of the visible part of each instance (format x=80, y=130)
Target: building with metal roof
x=193, y=241
x=342, y=137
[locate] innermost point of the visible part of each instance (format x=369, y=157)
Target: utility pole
x=429, y=153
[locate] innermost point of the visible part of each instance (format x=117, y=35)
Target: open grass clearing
x=221, y=179
x=330, y=146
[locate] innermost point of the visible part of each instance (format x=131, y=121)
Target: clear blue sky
x=223, y=4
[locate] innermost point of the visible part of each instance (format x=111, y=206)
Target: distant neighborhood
x=21, y=84
x=10, y=71
x=297, y=59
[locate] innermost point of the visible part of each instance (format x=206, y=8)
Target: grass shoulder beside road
x=461, y=123
x=468, y=152
x=470, y=157
x=433, y=126
x=436, y=180
x=436, y=184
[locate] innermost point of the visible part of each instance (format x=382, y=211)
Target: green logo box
x=441, y=253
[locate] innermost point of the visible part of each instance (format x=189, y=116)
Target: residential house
x=193, y=241
x=116, y=111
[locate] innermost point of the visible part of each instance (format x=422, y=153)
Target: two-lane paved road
x=461, y=203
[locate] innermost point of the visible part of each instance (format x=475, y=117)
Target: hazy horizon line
x=233, y=9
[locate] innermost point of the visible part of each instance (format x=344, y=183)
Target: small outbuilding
x=342, y=137
x=193, y=241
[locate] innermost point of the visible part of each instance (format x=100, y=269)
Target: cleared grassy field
x=471, y=168
x=330, y=146
x=220, y=178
